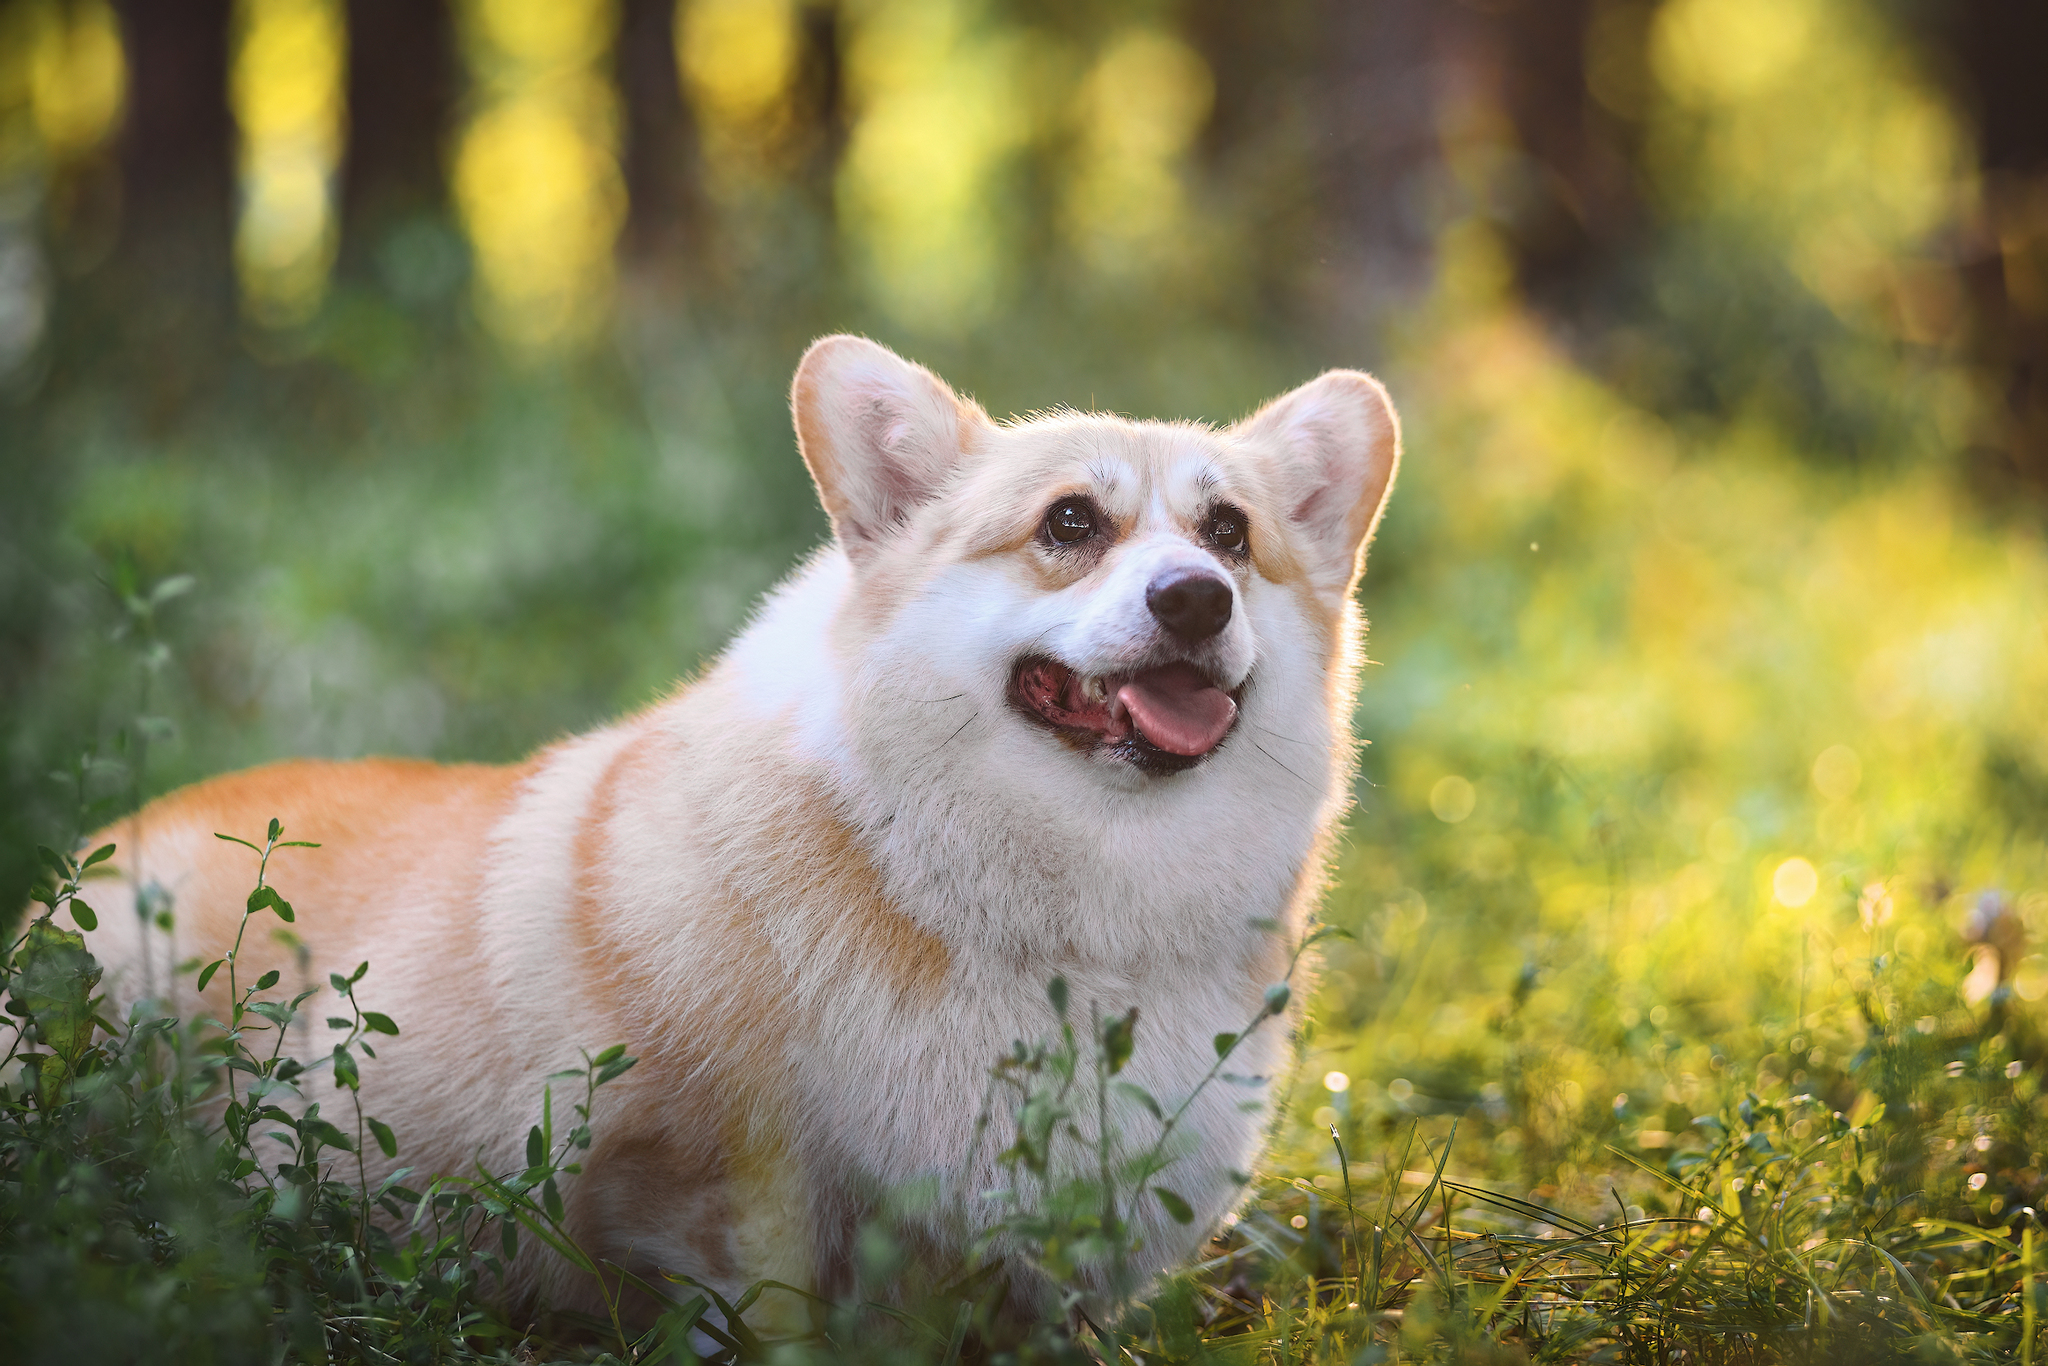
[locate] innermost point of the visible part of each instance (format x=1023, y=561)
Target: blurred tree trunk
x=402, y=87
x=171, y=281
x=1401, y=83
x=1382, y=77
x=177, y=150
x=1998, y=48
x=1574, y=204
x=819, y=100
x=659, y=144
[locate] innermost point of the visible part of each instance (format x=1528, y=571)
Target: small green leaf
x=387, y=1142
x=267, y=896
x=1056, y=992
x=1224, y=1043
x=340, y=1022
x=536, y=1147
x=206, y=973
x=1276, y=998
x=267, y=980
x=345, y=1071
x=357, y=975
x=54, y=986
x=57, y=861
x=84, y=915
x=232, y=840
x=614, y=1069
x=275, y=829
x=339, y=983
x=1175, y=1206
x=99, y=855
x=1118, y=1039
x=378, y=1021
x=1140, y=1095
x=1266, y=923
x=551, y=1199
x=321, y=1131
x=612, y=1054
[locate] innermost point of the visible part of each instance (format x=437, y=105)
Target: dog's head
x=1129, y=595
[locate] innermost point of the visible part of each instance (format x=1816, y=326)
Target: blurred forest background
x=445, y=348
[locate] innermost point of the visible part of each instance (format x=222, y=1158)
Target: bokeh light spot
x=1794, y=883
x=287, y=92
x=78, y=75
x=1726, y=50
x=1452, y=799
x=536, y=171
x=934, y=84
x=738, y=60
x=1140, y=109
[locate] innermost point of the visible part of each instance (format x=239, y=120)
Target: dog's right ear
x=879, y=434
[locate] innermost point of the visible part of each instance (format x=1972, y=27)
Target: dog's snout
x=1191, y=606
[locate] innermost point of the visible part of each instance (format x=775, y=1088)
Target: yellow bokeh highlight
x=1727, y=51
x=536, y=175
x=738, y=56
x=1141, y=107
x=1794, y=882
x=77, y=75
x=738, y=62
x=530, y=38
x=287, y=89
x=939, y=110
x=1452, y=798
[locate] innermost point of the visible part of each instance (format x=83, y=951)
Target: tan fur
x=380, y=823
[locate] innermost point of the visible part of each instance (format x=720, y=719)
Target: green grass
x=141, y=1222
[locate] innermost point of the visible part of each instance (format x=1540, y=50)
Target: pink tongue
x=1177, y=709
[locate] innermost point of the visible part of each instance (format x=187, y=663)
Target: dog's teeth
x=1094, y=689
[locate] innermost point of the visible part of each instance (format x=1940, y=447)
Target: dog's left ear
x=879, y=434
x=1336, y=444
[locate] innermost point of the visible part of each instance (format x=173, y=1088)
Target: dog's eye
x=1225, y=529
x=1070, y=521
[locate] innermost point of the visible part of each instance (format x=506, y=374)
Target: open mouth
x=1162, y=720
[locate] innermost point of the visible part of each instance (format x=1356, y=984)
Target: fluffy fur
x=820, y=889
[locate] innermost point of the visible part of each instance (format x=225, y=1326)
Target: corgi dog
x=1063, y=696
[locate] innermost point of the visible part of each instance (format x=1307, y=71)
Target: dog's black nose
x=1192, y=606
